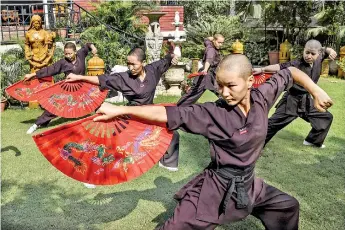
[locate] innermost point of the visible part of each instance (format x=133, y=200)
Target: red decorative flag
x=195, y=74
x=104, y=153
x=25, y=90
x=71, y=99
x=261, y=78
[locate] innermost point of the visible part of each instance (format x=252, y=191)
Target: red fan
x=104, y=153
x=25, y=90
x=195, y=74
x=71, y=99
x=261, y=78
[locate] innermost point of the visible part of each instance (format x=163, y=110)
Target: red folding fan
x=71, y=99
x=261, y=78
x=106, y=152
x=25, y=90
x=195, y=74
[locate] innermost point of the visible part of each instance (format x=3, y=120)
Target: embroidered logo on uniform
x=243, y=130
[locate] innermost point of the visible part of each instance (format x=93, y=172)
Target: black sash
x=237, y=179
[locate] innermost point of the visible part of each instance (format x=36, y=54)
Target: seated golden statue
x=39, y=45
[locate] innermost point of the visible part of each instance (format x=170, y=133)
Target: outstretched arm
x=105, y=81
x=203, y=119
x=149, y=113
x=269, y=68
x=74, y=77
x=321, y=99
x=46, y=71
x=331, y=53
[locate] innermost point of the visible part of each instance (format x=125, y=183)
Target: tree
x=331, y=21
x=197, y=10
x=229, y=26
x=293, y=17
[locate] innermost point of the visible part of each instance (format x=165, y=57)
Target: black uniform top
x=298, y=99
x=211, y=54
x=67, y=67
x=235, y=140
x=137, y=92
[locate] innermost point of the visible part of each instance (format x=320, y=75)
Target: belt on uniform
x=237, y=178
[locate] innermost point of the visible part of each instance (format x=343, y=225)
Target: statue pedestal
x=325, y=68
x=173, y=78
x=154, y=37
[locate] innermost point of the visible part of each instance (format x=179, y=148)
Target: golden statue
x=39, y=45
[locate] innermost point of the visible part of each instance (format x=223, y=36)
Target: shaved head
x=313, y=45
x=235, y=79
x=312, y=50
x=218, y=36
x=236, y=63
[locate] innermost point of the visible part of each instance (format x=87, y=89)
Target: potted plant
x=13, y=66
x=3, y=103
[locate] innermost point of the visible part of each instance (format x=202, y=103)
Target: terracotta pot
x=3, y=104
x=62, y=33
x=273, y=57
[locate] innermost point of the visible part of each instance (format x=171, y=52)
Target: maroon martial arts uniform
x=66, y=67
x=202, y=83
x=297, y=102
x=228, y=190
x=139, y=92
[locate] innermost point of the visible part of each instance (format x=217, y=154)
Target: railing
x=169, y=3
x=67, y=19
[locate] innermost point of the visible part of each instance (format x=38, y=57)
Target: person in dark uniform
x=297, y=102
x=74, y=62
x=207, y=81
x=236, y=126
x=138, y=86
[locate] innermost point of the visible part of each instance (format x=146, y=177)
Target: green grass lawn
x=37, y=196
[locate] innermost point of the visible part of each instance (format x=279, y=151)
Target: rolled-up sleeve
x=272, y=88
x=112, y=82
x=197, y=119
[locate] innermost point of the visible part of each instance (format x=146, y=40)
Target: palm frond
x=313, y=32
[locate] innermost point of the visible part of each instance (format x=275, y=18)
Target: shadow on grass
x=45, y=205
x=286, y=163
x=13, y=148
x=55, y=121
x=314, y=176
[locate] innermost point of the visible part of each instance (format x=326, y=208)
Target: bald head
x=218, y=36
x=312, y=51
x=236, y=63
x=313, y=45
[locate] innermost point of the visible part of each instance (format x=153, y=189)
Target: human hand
x=28, y=76
x=257, y=71
x=332, y=54
x=322, y=101
x=109, y=111
x=72, y=77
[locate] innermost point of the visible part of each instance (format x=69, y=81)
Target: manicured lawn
x=37, y=196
